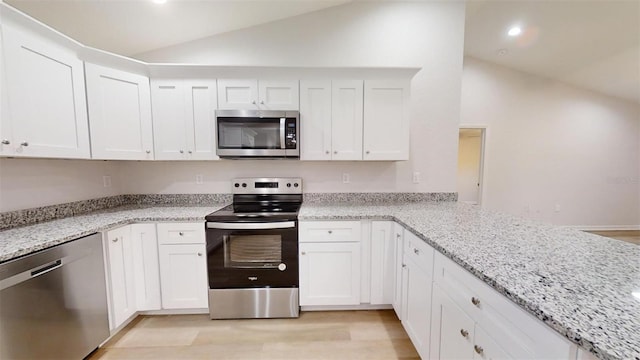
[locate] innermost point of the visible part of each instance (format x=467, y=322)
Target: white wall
x=469, y=167
x=383, y=34
x=27, y=183
x=551, y=144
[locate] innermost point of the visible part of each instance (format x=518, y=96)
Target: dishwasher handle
x=46, y=268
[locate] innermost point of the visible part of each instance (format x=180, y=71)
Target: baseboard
x=605, y=227
x=345, y=307
x=175, y=312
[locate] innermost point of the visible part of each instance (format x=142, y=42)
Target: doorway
x=471, y=144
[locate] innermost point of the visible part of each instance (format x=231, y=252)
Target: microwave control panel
x=291, y=134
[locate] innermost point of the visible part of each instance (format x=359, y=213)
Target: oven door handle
x=251, y=226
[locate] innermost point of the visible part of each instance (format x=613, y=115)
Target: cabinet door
x=237, y=94
x=46, y=114
x=417, y=304
x=169, y=119
x=278, y=95
x=452, y=331
x=386, y=120
x=119, y=114
x=183, y=276
x=146, y=269
x=486, y=348
x=398, y=265
x=315, y=115
x=121, y=275
x=329, y=273
x=201, y=103
x=382, y=262
x=346, y=119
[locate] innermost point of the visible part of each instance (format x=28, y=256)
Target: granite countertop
x=27, y=239
x=577, y=283
x=580, y=284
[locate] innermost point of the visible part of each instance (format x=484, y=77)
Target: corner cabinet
x=120, y=274
x=249, y=94
x=184, y=119
x=119, y=106
x=44, y=110
x=329, y=262
x=386, y=120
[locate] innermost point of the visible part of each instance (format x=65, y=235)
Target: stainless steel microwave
x=258, y=133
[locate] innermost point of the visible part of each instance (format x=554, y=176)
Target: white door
x=119, y=114
x=238, y=94
x=201, y=102
x=398, y=265
x=417, y=306
x=452, y=331
x=346, y=119
x=121, y=275
x=315, y=119
x=329, y=273
x=386, y=120
x=183, y=276
x=146, y=268
x=169, y=119
x=278, y=95
x=46, y=114
x=382, y=262
x=470, y=161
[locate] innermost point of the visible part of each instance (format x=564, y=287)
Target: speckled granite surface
x=578, y=283
x=24, y=240
x=327, y=198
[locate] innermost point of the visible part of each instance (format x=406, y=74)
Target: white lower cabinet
x=121, y=280
x=183, y=265
x=382, y=274
x=398, y=266
x=330, y=262
x=146, y=271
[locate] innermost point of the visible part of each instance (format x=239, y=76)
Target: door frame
x=482, y=176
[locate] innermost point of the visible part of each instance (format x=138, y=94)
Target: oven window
x=252, y=251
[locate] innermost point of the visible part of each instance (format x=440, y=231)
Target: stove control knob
x=295, y=184
x=282, y=267
x=244, y=184
x=236, y=185
x=288, y=184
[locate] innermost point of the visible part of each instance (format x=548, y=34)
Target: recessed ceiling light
x=514, y=31
x=502, y=52
x=159, y=1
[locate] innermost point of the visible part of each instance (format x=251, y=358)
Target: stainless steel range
x=252, y=250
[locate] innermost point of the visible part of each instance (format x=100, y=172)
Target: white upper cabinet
x=184, y=119
x=346, y=119
x=119, y=114
x=251, y=94
x=44, y=110
x=315, y=115
x=386, y=120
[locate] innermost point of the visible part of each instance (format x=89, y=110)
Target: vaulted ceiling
x=592, y=44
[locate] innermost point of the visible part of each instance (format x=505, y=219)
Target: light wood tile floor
x=315, y=335
x=632, y=236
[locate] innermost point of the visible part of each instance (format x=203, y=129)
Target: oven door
x=251, y=255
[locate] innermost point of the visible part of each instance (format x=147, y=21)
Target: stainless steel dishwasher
x=53, y=304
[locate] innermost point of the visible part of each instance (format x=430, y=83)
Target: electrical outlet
x=199, y=179
x=416, y=177
x=106, y=181
x=345, y=178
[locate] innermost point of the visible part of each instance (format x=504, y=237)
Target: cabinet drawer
x=181, y=233
x=329, y=231
x=418, y=251
x=515, y=331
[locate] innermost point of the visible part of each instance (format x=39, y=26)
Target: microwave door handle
x=251, y=226
x=282, y=128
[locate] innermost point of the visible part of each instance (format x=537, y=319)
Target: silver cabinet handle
x=190, y=151
x=181, y=151
x=330, y=231
x=367, y=151
x=148, y=151
x=262, y=102
x=464, y=333
x=404, y=265
x=335, y=151
x=253, y=102
x=326, y=152
x=181, y=233
x=478, y=349
x=416, y=251
x=5, y=142
x=24, y=143
x=398, y=236
x=304, y=253
x=475, y=301
x=199, y=254
x=115, y=240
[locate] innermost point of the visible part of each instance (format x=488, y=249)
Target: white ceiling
x=593, y=44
